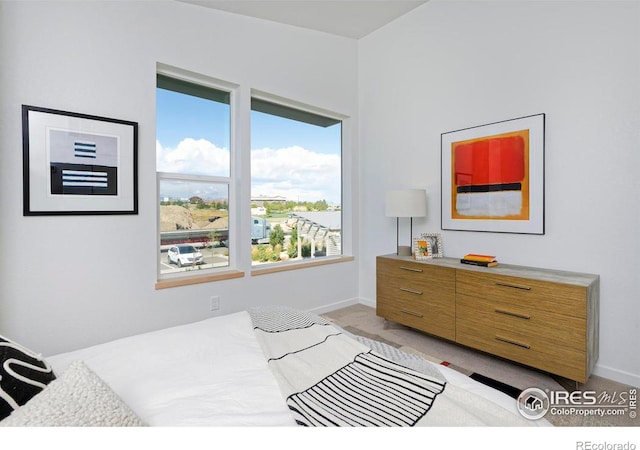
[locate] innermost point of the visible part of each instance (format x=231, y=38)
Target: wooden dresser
x=547, y=319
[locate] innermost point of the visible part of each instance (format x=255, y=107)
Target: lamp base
x=404, y=250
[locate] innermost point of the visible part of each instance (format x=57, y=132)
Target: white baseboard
x=334, y=306
x=343, y=304
x=617, y=375
x=367, y=302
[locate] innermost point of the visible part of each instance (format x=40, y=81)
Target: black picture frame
x=78, y=164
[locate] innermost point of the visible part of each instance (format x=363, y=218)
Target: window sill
x=186, y=281
x=283, y=267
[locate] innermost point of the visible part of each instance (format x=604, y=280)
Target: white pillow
x=77, y=398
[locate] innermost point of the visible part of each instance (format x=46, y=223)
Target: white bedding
x=208, y=373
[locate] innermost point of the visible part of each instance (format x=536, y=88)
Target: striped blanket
x=329, y=378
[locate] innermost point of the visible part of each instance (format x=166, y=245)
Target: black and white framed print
x=75, y=164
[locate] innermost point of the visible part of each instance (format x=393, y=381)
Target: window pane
x=194, y=225
x=296, y=184
x=193, y=129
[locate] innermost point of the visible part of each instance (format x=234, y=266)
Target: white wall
x=453, y=64
x=69, y=282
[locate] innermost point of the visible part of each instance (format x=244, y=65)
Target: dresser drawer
x=543, y=328
x=524, y=292
x=417, y=295
x=423, y=276
x=425, y=311
x=522, y=348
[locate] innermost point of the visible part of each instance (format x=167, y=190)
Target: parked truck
x=260, y=230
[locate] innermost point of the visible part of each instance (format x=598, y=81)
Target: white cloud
x=293, y=172
x=296, y=173
x=194, y=157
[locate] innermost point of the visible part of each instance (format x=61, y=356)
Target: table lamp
x=406, y=203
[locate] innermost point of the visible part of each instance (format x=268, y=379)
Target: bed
x=264, y=367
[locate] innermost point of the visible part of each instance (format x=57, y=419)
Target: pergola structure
x=319, y=226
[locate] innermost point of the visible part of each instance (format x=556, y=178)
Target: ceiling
x=349, y=18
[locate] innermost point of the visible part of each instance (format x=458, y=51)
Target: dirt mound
x=220, y=223
x=174, y=217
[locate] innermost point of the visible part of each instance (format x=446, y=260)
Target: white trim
x=190, y=177
x=337, y=305
x=620, y=376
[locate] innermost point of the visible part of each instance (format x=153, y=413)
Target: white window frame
x=215, y=273
x=346, y=191
x=239, y=185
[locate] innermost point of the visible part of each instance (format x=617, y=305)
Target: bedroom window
x=193, y=163
x=296, y=183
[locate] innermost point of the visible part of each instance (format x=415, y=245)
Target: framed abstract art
x=75, y=164
x=493, y=177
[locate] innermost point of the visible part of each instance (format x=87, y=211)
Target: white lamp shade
x=406, y=203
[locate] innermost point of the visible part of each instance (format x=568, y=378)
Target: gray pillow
x=78, y=398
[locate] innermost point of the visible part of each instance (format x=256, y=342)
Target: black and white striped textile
x=275, y=319
x=370, y=391
x=330, y=379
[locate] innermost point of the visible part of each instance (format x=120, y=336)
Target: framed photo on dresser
x=421, y=249
x=435, y=244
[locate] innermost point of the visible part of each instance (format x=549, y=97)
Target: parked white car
x=184, y=255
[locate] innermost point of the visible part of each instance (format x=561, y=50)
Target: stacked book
x=479, y=260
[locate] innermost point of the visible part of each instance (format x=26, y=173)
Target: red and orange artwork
x=490, y=177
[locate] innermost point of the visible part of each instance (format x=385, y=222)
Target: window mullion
x=188, y=177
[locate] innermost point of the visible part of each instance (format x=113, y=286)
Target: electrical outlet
x=215, y=302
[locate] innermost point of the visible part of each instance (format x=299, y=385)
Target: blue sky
x=289, y=158
x=267, y=132
x=209, y=120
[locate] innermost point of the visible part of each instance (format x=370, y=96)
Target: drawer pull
x=509, y=313
x=411, y=291
x=411, y=269
x=514, y=286
x=411, y=313
x=509, y=341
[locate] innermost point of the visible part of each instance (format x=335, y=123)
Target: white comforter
x=212, y=373
x=208, y=373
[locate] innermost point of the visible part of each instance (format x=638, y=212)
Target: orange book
x=479, y=263
x=479, y=258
